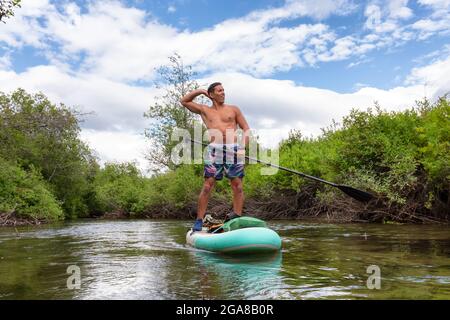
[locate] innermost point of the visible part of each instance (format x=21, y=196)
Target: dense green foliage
x=42, y=137
x=26, y=193
x=120, y=188
x=403, y=157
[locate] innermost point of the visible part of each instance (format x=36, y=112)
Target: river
x=148, y=259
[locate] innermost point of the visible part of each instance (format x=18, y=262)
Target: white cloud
x=117, y=106
x=5, y=61
x=429, y=27
x=437, y=22
x=392, y=20
x=112, y=146
x=434, y=77
x=343, y=48
x=24, y=28
x=250, y=48
x=382, y=20
x=436, y=4
x=126, y=44
x=171, y=9
x=122, y=43
x=398, y=9
x=119, y=42
x=322, y=11
x=385, y=19
x=293, y=9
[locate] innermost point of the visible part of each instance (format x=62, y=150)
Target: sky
x=287, y=64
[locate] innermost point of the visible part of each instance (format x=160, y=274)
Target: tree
x=168, y=113
x=7, y=7
x=37, y=134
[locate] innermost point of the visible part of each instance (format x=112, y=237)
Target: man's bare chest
x=222, y=116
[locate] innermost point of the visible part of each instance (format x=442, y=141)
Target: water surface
x=148, y=259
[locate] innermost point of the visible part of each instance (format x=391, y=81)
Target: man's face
x=218, y=94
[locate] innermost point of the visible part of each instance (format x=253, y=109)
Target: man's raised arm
x=187, y=102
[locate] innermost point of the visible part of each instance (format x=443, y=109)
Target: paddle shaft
x=278, y=167
x=350, y=191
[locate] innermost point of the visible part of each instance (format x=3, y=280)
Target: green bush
x=120, y=187
x=26, y=194
x=388, y=153
x=434, y=140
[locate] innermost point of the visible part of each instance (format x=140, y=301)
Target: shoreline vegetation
x=48, y=174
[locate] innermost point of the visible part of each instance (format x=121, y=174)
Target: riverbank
x=12, y=220
x=284, y=210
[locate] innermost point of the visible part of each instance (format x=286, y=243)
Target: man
x=221, y=157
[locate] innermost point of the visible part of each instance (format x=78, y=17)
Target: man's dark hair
x=212, y=86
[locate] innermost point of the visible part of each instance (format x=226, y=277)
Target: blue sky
x=286, y=63
x=381, y=68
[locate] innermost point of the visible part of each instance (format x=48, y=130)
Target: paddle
x=350, y=191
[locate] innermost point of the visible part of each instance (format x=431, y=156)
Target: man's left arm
x=240, y=119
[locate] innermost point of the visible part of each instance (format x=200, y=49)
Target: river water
x=148, y=259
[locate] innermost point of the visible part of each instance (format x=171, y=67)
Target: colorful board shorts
x=221, y=159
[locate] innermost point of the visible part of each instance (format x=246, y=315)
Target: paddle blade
x=356, y=194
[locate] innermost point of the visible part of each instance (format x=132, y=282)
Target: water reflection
x=238, y=277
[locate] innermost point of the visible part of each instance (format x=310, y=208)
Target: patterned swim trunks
x=222, y=158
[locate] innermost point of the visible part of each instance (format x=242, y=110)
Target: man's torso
x=221, y=121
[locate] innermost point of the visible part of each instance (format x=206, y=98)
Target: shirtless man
x=223, y=118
